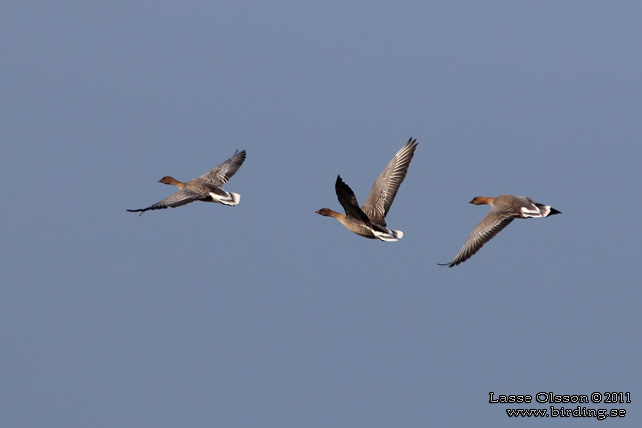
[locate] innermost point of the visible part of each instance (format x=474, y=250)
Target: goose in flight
x=503, y=210
x=369, y=221
x=206, y=188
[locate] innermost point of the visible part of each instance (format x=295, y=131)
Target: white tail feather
x=389, y=235
x=229, y=199
x=537, y=212
x=233, y=199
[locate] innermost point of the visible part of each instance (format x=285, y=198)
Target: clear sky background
x=267, y=314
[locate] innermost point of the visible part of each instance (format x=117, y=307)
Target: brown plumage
x=206, y=188
x=503, y=210
x=369, y=221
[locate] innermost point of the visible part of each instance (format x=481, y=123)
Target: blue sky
x=267, y=314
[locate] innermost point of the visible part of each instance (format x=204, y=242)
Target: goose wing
x=385, y=187
x=219, y=175
x=174, y=200
x=349, y=202
x=493, y=223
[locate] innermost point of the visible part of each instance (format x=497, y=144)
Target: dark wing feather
x=349, y=202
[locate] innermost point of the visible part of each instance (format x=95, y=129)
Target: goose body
x=369, y=220
x=206, y=188
x=503, y=210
